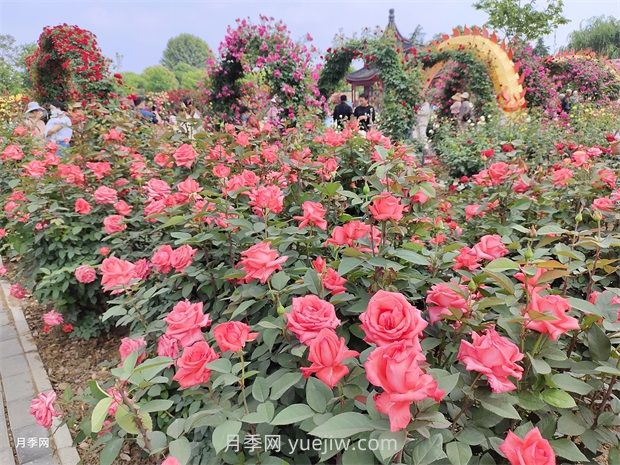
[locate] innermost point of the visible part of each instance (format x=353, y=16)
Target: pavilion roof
x=363, y=76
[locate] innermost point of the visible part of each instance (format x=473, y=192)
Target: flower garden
x=309, y=284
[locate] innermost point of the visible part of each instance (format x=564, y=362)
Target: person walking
x=58, y=128
x=33, y=120
x=342, y=112
x=364, y=113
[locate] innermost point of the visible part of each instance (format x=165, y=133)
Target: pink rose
x=192, y=365
x=167, y=346
x=314, y=215
x=266, y=199
x=556, y=307
x=161, y=259
x=156, y=189
x=18, y=291
x=116, y=273
x=35, y=169
x=495, y=357
x=85, y=274
x=182, y=257
x=472, y=211
x=327, y=352
x=386, y=207
x=490, y=247
x=185, y=155
x=333, y=282
x=394, y=368
x=467, y=258
x=498, y=172
x=390, y=318
x=233, y=335
x=129, y=345
x=185, y=322
x=442, y=299
x=189, y=186
x=13, y=152
x=82, y=207
x=561, y=177
x=259, y=262
x=142, y=268
x=171, y=461
x=53, y=318
x=113, y=224
x=122, y=208
x=309, y=316
x=105, y=195
x=533, y=449
x=43, y=410
x=221, y=171
x=603, y=204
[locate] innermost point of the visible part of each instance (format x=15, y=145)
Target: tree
x=188, y=76
x=188, y=49
x=600, y=34
x=13, y=75
x=541, y=49
x=159, y=79
x=521, y=19
x=133, y=82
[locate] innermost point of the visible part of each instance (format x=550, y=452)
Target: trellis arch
x=496, y=57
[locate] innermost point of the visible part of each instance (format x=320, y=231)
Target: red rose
x=233, y=335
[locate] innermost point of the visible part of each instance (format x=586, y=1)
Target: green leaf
x=584, y=306
x=614, y=456
x=173, y=221
x=260, y=389
x=111, y=451
x=96, y=390
x=223, y=434
x=567, y=449
x=558, y=398
x=570, y=425
x=157, y=405
x=458, y=453
x=126, y=420
x=100, y=413
x=292, y=414
x=500, y=404
x=279, y=280
x=598, y=343
x=181, y=449
x=343, y=425
x=312, y=282
x=540, y=366
x=318, y=394
x=428, y=451
x=502, y=264
x=221, y=365
x=175, y=429
x=151, y=367
x=392, y=441
x=357, y=456
x=283, y=384
x=411, y=257
x=347, y=264
x=550, y=229
x=571, y=384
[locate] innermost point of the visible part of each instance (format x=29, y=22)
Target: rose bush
x=320, y=284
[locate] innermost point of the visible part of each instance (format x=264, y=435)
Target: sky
x=138, y=30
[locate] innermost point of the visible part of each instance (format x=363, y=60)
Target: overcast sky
x=139, y=29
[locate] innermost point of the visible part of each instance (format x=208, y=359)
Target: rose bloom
x=603, y=204
x=498, y=172
x=18, y=291
x=233, y=335
x=85, y=274
x=333, y=282
x=43, y=410
x=472, y=211
x=561, y=177
x=394, y=368
x=259, y=262
x=533, y=449
x=104, y=251
x=122, y=208
x=161, y=258
x=490, y=247
x=185, y=155
x=390, y=318
x=555, y=306
x=156, y=189
x=113, y=224
x=386, y=207
x=495, y=357
x=167, y=346
x=116, y=273
x=192, y=365
x=309, y=316
x=53, y=318
x=105, y=195
x=319, y=264
x=269, y=198
x=129, y=346
x=13, y=152
x=185, y=322
x=170, y=460
x=420, y=197
x=35, y=169
x=221, y=171
x=182, y=257
x=189, y=186
x=82, y=207
x=327, y=352
x=161, y=159
x=442, y=299
x=314, y=215
x=467, y=258
x=142, y=268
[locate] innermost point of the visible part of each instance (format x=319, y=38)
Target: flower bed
x=319, y=285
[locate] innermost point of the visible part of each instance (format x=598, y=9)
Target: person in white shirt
x=58, y=127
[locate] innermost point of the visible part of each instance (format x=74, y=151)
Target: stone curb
x=65, y=453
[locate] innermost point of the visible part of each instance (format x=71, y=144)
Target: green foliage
x=13, y=75
x=523, y=19
x=600, y=34
x=133, y=82
x=186, y=49
x=159, y=79
x=541, y=48
x=189, y=77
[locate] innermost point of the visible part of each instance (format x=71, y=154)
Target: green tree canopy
x=133, y=82
x=541, y=48
x=600, y=34
x=188, y=49
x=159, y=79
x=13, y=75
x=521, y=19
x=189, y=76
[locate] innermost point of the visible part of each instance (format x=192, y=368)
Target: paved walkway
x=22, y=377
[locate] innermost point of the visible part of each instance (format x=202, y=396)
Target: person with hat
x=33, y=120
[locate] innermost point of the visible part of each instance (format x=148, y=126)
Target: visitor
x=58, y=127
x=143, y=112
x=466, y=109
x=342, y=112
x=423, y=117
x=565, y=102
x=273, y=113
x=365, y=113
x=190, y=110
x=33, y=120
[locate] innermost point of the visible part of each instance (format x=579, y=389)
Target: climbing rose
x=327, y=352
x=259, y=262
x=314, y=215
x=43, y=410
x=185, y=322
x=394, y=367
x=192, y=365
x=555, y=306
x=232, y=335
x=533, y=449
x=441, y=299
x=490, y=247
x=390, y=318
x=129, y=345
x=495, y=357
x=185, y=156
x=386, y=207
x=309, y=316
x=115, y=273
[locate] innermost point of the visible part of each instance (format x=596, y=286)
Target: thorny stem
x=468, y=402
x=242, y=383
x=136, y=417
